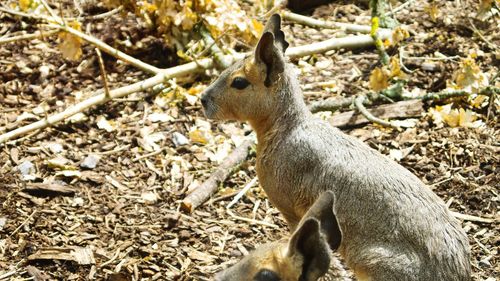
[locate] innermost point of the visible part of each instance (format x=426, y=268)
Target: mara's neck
x=290, y=111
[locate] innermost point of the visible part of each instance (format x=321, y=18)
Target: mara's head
x=242, y=92
x=305, y=256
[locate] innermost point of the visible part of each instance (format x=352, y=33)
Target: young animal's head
x=245, y=90
x=303, y=257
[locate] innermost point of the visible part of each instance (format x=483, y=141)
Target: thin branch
x=349, y=42
x=358, y=101
x=217, y=53
x=472, y=218
x=103, y=72
x=242, y=192
x=308, y=21
x=92, y=40
x=446, y=94
x=203, y=192
x=101, y=98
x=38, y=34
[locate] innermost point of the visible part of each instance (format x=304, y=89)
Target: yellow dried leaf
x=433, y=11
x=24, y=5
x=478, y=101
x=199, y=136
x=469, y=76
x=399, y=34
x=485, y=6
x=257, y=27
x=453, y=117
x=396, y=69
x=466, y=118
x=70, y=45
x=379, y=79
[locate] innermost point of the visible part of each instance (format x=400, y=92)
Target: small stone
x=90, y=162
x=55, y=147
x=179, y=139
x=3, y=222
x=27, y=169
x=44, y=71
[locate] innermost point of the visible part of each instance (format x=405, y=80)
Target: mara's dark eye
x=266, y=275
x=240, y=83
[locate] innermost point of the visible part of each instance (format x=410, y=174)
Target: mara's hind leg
x=381, y=263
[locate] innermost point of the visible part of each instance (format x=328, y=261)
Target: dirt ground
x=125, y=210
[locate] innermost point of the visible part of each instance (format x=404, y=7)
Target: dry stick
x=29, y=36
x=110, y=50
x=358, y=102
x=92, y=40
x=210, y=186
x=103, y=72
x=348, y=27
x=349, y=42
x=101, y=98
x=472, y=218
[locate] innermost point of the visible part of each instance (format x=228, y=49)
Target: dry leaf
x=71, y=45
x=379, y=79
x=199, y=136
x=433, y=11
x=469, y=76
x=149, y=139
x=454, y=117
x=399, y=34
x=396, y=69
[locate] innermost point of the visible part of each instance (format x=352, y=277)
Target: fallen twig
x=92, y=40
x=38, y=34
x=358, y=101
x=349, y=42
x=472, y=218
x=101, y=97
x=348, y=27
x=211, y=185
x=241, y=193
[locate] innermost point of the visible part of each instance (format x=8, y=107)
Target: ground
x=126, y=208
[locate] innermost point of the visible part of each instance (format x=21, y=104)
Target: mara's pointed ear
x=271, y=49
x=323, y=211
x=308, y=243
x=273, y=25
x=269, y=57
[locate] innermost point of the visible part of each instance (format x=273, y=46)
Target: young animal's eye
x=240, y=83
x=266, y=275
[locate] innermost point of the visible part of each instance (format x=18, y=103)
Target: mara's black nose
x=204, y=100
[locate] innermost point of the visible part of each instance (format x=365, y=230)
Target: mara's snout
x=208, y=105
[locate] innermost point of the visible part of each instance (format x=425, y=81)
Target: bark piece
x=48, y=189
x=81, y=255
x=402, y=109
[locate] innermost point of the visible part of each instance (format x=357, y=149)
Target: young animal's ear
x=273, y=25
x=268, y=56
x=323, y=211
x=308, y=242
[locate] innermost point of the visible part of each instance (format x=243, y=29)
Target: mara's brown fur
x=393, y=227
